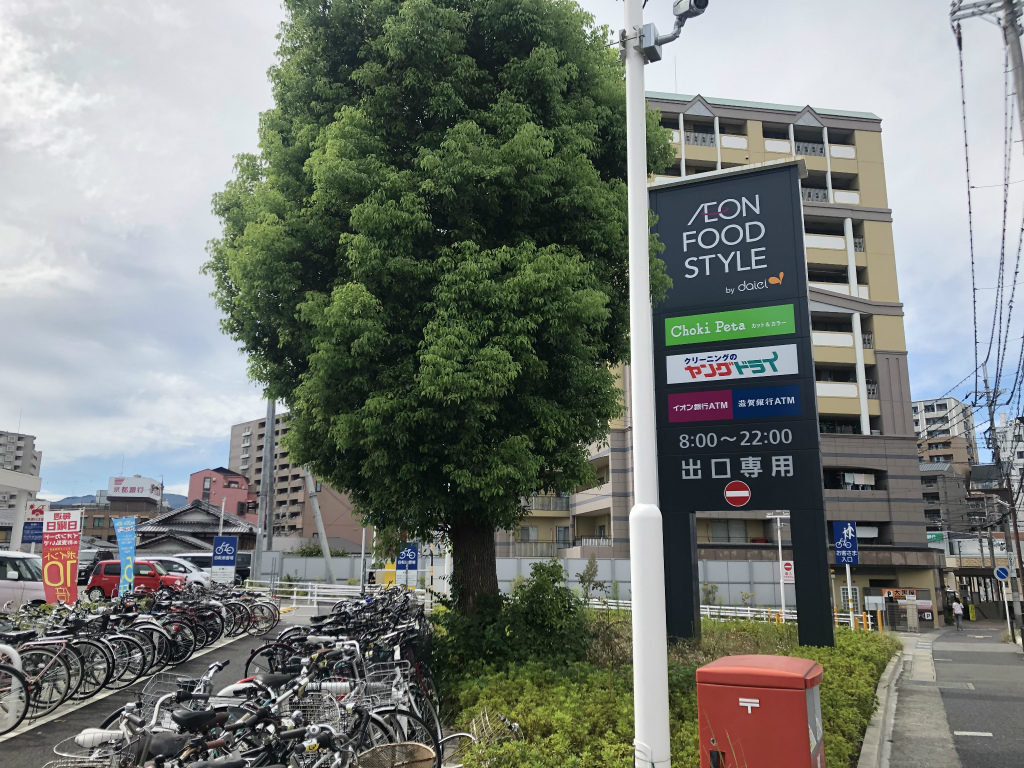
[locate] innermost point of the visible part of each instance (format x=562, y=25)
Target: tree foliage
x=427, y=258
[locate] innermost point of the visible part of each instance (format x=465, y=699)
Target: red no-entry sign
x=737, y=493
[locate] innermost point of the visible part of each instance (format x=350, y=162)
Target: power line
x=970, y=210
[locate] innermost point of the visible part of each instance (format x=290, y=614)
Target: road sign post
x=844, y=534
x=408, y=560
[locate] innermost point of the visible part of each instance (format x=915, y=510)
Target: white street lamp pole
x=778, y=517
x=647, y=555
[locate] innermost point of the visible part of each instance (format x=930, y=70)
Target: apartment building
x=1009, y=433
x=291, y=512
x=18, y=454
x=868, y=439
x=945, y=432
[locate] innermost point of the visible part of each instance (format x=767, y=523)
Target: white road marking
x=972, y=733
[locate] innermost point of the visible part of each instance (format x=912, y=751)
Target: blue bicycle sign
x=408, y=558
x=844, y=533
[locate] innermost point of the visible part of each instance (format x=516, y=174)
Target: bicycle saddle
x=272, y=680
x=193, y=720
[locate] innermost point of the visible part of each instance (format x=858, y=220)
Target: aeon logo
x=756, y=285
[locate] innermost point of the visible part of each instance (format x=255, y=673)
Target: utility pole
x=264, y=523
x=1011, y=38
x=1015, y=579
x=325, y=547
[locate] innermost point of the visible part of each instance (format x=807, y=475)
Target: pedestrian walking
x=958, y=614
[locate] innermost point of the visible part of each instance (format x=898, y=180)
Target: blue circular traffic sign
x=1001, y=572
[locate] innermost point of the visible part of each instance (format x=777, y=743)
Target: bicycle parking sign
x=844, y=532
x=225, y=552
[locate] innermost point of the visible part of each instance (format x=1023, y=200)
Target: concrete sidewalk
x=952, y=700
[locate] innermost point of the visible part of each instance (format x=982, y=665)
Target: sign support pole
x=1006, y=605
x=849, y=594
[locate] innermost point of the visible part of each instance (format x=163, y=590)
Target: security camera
x=687, y=9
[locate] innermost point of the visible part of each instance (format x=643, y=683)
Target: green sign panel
x=736, y=324
x=934, y=535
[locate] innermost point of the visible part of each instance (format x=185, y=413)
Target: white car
x=193, y=574
x=21, y=578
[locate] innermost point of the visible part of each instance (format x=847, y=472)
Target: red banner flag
x=61, y=534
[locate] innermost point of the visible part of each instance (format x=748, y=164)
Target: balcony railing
x=539, y=548
x=550, y=503
x=814, y=194
x=699, y=138
x=810, y=148
x=593, y=541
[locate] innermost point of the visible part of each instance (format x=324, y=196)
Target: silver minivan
x=21, y=578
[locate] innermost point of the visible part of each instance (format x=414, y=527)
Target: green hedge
x=580, y=714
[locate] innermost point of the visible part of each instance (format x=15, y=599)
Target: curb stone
x=874, y=751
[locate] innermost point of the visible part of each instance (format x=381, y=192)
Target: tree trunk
x=474, y=566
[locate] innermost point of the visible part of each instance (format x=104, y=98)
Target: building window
x=845, y=606
x=729, y=531
x=99, y=522
x=528, y=533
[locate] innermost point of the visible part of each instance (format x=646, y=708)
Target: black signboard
x=734, y=378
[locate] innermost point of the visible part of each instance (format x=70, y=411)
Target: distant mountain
x=174, y=500
x=71, y=501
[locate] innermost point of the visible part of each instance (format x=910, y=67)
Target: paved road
x=984, y=719
x=33, y=745
x=959, y=700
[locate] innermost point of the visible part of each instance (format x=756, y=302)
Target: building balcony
x=810, y=149
x=592, y=541
x=547, y=503
x=859, y=291
x=733, y=141
x=539, y=548
x=699, y=138
x=825, y=242
x=843, y=151
x=592, y=501
x=814, y=195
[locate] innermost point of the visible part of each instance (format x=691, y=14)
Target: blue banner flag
x=124, y=527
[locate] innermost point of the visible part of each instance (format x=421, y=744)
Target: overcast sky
x=118, y=120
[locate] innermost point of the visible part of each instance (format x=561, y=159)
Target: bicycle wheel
x=161, y=640
x=148, y=647
x=212, y=623
x=96, y=667
x=183, y=639
x=14, y=698
x=262, y=619
x=267, y=658
x=129, y=661
x=243, y=618
x=409, y=726
x=49, y=680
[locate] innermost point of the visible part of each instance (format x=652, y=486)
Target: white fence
x=735, y=583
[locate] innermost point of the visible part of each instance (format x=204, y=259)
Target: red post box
x=760, y=712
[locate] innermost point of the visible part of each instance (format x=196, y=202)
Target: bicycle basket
x=314, y=709
x=385, y=682
x=85, y=751
x=406, y=754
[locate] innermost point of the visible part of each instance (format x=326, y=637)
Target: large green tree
x=427, y=259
